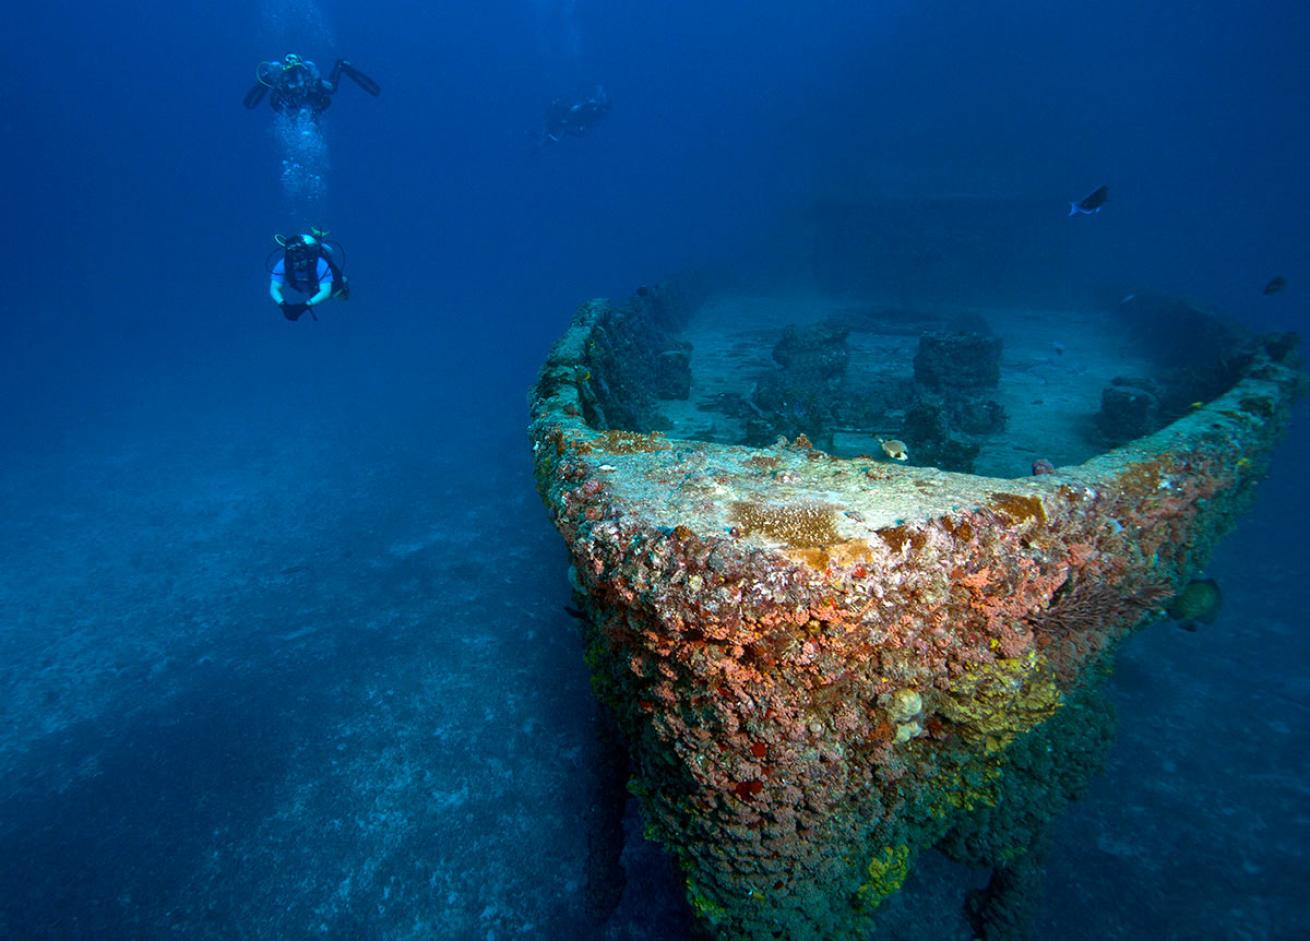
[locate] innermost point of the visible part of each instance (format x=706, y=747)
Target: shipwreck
x=854, y=576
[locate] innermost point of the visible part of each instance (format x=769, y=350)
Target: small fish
x=1092, y=203
x=574, y=612
x=1058, y=347
x=1198, y=603
x=1042, y=466
x=1275, y=285
x=896, y=450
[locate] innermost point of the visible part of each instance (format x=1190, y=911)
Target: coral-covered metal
x=823, y=667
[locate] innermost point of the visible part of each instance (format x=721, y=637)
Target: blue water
x=282, y=645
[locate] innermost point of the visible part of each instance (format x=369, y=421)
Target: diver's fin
x=255, y=95
x=360, y=79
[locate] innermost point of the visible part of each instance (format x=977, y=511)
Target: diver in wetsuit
x=297, y=86
x=311, y=265
x=573, y=119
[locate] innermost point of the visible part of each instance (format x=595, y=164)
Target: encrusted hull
x=824, y=666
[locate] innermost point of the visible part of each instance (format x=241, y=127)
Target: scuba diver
x=573, y=119
x=310, y=264
x=297, y=85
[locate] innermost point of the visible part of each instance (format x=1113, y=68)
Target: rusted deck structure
x=824, y=666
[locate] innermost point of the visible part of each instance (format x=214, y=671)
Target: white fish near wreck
x=894, y=449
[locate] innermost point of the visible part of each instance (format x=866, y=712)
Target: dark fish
x=1093, y=202
x=1198, y=603
x=574, y=612
x=1275, y=285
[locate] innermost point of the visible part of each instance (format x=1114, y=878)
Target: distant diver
x=297, y=86
x=1092, y=203
x=1275, y=286
x=566, y=118
x=310, y=264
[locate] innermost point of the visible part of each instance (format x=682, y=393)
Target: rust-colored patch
x=1142, y=479
x=630, y=442
x=762, y=462
x=748, y=789
x=802, y=441
x=894, y=536
x=882, y=731
x=1017, y=509
x=961, y=529
x=840, y=554
x=797, y=525
x=897, y=537
x=564, y=443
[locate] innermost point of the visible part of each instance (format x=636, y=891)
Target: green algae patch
x=886, y=873
x=996, y=703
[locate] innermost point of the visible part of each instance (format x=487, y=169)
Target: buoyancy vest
x=300, y=268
